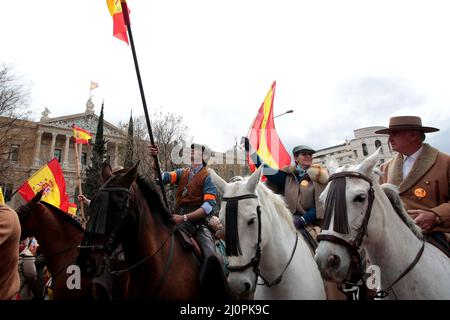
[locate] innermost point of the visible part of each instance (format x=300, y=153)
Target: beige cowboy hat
x=406, y=123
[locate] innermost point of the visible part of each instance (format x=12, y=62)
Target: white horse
x=409, y=267
x=263, y=245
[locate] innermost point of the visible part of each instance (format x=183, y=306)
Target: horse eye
x=360, y=198
x=251, y=221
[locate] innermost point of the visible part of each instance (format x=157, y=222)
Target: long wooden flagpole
x=141, y=89
x=80, y=192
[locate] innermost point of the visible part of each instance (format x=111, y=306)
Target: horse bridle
x=353, y=245
x=255, y=261
x=112, y=239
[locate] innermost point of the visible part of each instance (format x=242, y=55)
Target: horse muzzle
x=241, y=285
x=333, y=265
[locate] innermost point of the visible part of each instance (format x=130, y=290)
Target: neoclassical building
x=365, y=143
x=36, y=143
x=39, y=142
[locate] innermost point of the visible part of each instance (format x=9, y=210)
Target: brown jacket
x=301, y=195
x=427, y=186
x=9, y=253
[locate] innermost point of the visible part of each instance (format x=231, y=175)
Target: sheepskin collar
x=315, y=172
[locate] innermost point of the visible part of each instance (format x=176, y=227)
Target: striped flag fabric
x=94, y=85
x=119, y=27
x=81, y=136
x=264, y=139
x=72, y=210
x=50, y=179
x=2, y=200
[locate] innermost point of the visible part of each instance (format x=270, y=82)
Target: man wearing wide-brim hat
x=422, y=174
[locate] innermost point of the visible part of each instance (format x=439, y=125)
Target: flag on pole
x=81, y=136
x=264, y=139
x=94, y=85
x=50, y=179
x=2, y=200
x=72, y=208
x=119, y=27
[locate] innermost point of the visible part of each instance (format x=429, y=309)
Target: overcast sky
x=340, y=65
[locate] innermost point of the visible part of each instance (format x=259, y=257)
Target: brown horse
x=59, y=236
x=128, y=210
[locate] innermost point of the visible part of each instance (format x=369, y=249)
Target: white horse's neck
x=301, y=279
x=279, y=245
x=390, y=244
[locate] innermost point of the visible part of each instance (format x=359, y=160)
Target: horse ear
x=331, y=164
x=37, y=197
x=368, y=164
x=218, y=181
x=254, y=179
x=131, y=174
x=106, y=171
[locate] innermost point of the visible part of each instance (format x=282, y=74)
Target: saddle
x=187, y=241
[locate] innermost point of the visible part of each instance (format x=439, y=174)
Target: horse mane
x=278, y=201
x=265, y=195
x=63, y=215
x=393, y=195
x=154, y=200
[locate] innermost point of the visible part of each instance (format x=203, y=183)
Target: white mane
x=391, y=192
x=267, y=198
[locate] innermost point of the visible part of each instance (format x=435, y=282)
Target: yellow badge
x=420, y=193
x=304, y=183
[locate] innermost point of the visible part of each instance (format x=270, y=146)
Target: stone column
x=37, y=151
x=116, y=155
x=52, y=147
x=66, y=152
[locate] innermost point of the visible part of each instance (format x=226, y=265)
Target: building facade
x=36, y=143
x=365, y=142
x=39, y=142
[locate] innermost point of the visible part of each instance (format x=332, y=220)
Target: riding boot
x=206, y=242
x=212, y=276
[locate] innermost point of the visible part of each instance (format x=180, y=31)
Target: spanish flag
x=119, y=27
x=94, y=85
x=50, y=179
x=72, y=210
x=264, y=139
x=2, y=200
x=81, y=136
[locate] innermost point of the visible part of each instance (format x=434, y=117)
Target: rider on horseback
x=301, y=186
x=195, y=198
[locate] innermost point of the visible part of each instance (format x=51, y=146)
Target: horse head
x=241, y=216
x=347, y=201
x=110, y=215
x=26, y=218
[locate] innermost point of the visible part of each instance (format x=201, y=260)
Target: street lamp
x=289, y=111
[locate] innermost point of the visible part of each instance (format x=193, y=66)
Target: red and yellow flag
x=2, y=200
x=119, y=27
x=72, y=208
x=81, y=136
x=264, y=139
x=50, y=179
x=94, y=85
